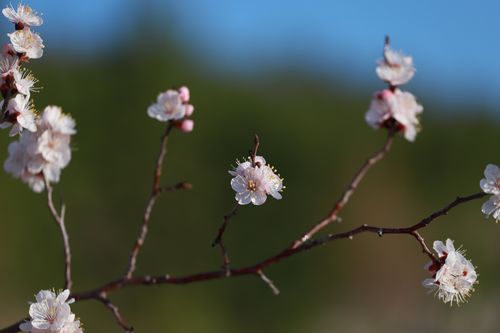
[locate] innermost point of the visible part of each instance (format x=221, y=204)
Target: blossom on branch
x=24, y=81
x=395, y=110
x=491, y=185
x=22, y=16
x=43, y=154
x=395, y=68
x=453, y=275
x=253, y=182
x=51, y=313
x=27, y=42
x=19, y=114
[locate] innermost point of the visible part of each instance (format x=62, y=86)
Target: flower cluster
x=173, y=105
x=51, y=313
x=453, y=275
x=491, y=185
x=41, y=155
x=17, y=83
x=25, y=41
x=393, y=108
x=254, y=180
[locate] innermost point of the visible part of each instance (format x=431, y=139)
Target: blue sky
x=455, y=44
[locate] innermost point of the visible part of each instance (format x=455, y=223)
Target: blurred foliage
x=313, y=131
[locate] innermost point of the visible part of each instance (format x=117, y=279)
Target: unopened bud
x=184, y=94
x=186, y=125
x=189, y=110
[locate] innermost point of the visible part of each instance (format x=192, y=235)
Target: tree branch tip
x=269, y=282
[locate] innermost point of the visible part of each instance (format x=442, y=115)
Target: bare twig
x=344, y=198
x=288, y=252
x=59, y=219
x=268, y=281
x=253, y=152
x=425, y=248
x=254, y=269
x=218, y=239
x=155, y=193
x=14, y=327
x=116, y=313
x=177, y=187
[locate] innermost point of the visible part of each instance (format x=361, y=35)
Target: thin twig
x=253, y=152
x=155, y=193
x=254, y=269
x=269, y=282
x=116, y=313
x=425, y=248
x=14, y=327
x=220, y=234
x=177, y=187
x=59, y=219
x=344, y=198
x=288, y=252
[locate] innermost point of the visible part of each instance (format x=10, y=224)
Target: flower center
x=252, y=186
x=51, y=315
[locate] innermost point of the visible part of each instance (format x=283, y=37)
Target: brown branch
x=288, y=252
x=116, y=313
x=253, y=152
x=14, y=327
x=425, y=248
x=155, y=193
x=344, y=198
x=218, y=239
x=59, y=219
x=177, y=187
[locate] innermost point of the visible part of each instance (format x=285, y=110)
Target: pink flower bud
x=185, y=125
x=385, y=94
x=184, y=94
x=189, y=110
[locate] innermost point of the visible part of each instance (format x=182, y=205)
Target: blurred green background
x=312, y=129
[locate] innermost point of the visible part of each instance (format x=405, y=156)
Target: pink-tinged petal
x=449, y=246
x=259, y=198
x=492, y=172
x=490, y=206
x=239, y=184
x=189, y=110
x=440, y=248
x=243, y=198
x=184, y=94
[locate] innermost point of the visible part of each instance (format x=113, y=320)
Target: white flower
x=253, y=184
x=19, y=115
x=491, y=185
x=51, y=313
x=15, y=164
x=54, y=119
x=395, y=68
x=42, y=155
x=28, y=42
x=250, y=186
x=24, y=81
x=274, y=184
x=169, y=105
x=399, y=106
x=454, y=276
x=23, y=15
x=55, y=148
x=241, y=166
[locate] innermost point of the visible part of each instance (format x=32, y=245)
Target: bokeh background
x=301, y=75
